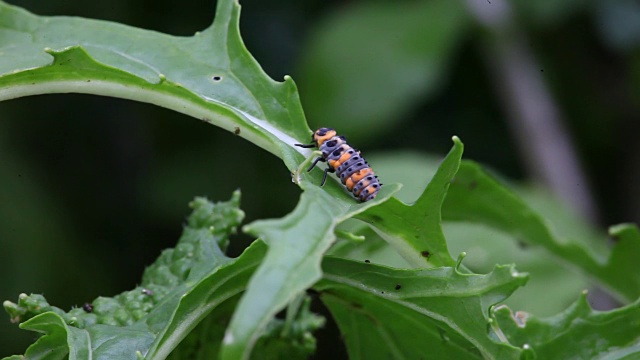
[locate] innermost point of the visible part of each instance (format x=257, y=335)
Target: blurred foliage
x=107, y=177
x=369, y=65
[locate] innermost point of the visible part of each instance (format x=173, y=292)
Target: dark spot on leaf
x=382, y=292
x=88, y=307
x=236, y=130
x=425, y=253
x=356, y=305
x=217, y=78
x=473, y=185
x=367, y=261
x=89, y=80
x=398, y=286
x=522, y=244
x=376, y=218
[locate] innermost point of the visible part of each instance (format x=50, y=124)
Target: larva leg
x=296, y=177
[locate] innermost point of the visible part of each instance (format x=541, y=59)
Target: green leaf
x=550, y=289
x=297, y=243
x=292, y=337
x=209, y=76
x=218, y=82
x=401, y=314
x=475, y=196
x=202, y=298
x=371, y=62
x=204, y=341
x=61, y=340
x=577, y=333
x=621, y=269
x=372, y=249
x=415, y=230
x=179, y=290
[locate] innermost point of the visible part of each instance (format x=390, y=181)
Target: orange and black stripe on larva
x=352, y=169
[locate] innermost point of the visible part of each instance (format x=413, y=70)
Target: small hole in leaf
x=216, y=78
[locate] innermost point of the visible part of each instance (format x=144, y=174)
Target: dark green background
x=93, y=188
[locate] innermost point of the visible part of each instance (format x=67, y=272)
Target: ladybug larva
x=352, y=169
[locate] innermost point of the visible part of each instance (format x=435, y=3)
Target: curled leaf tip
x=237, y=194
x=455, y=139
x=349, y=236
x=460, y=258
x=619, y=228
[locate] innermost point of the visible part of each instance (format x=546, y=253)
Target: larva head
x=323, y=134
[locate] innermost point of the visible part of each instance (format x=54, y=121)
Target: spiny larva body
x=352, y=169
